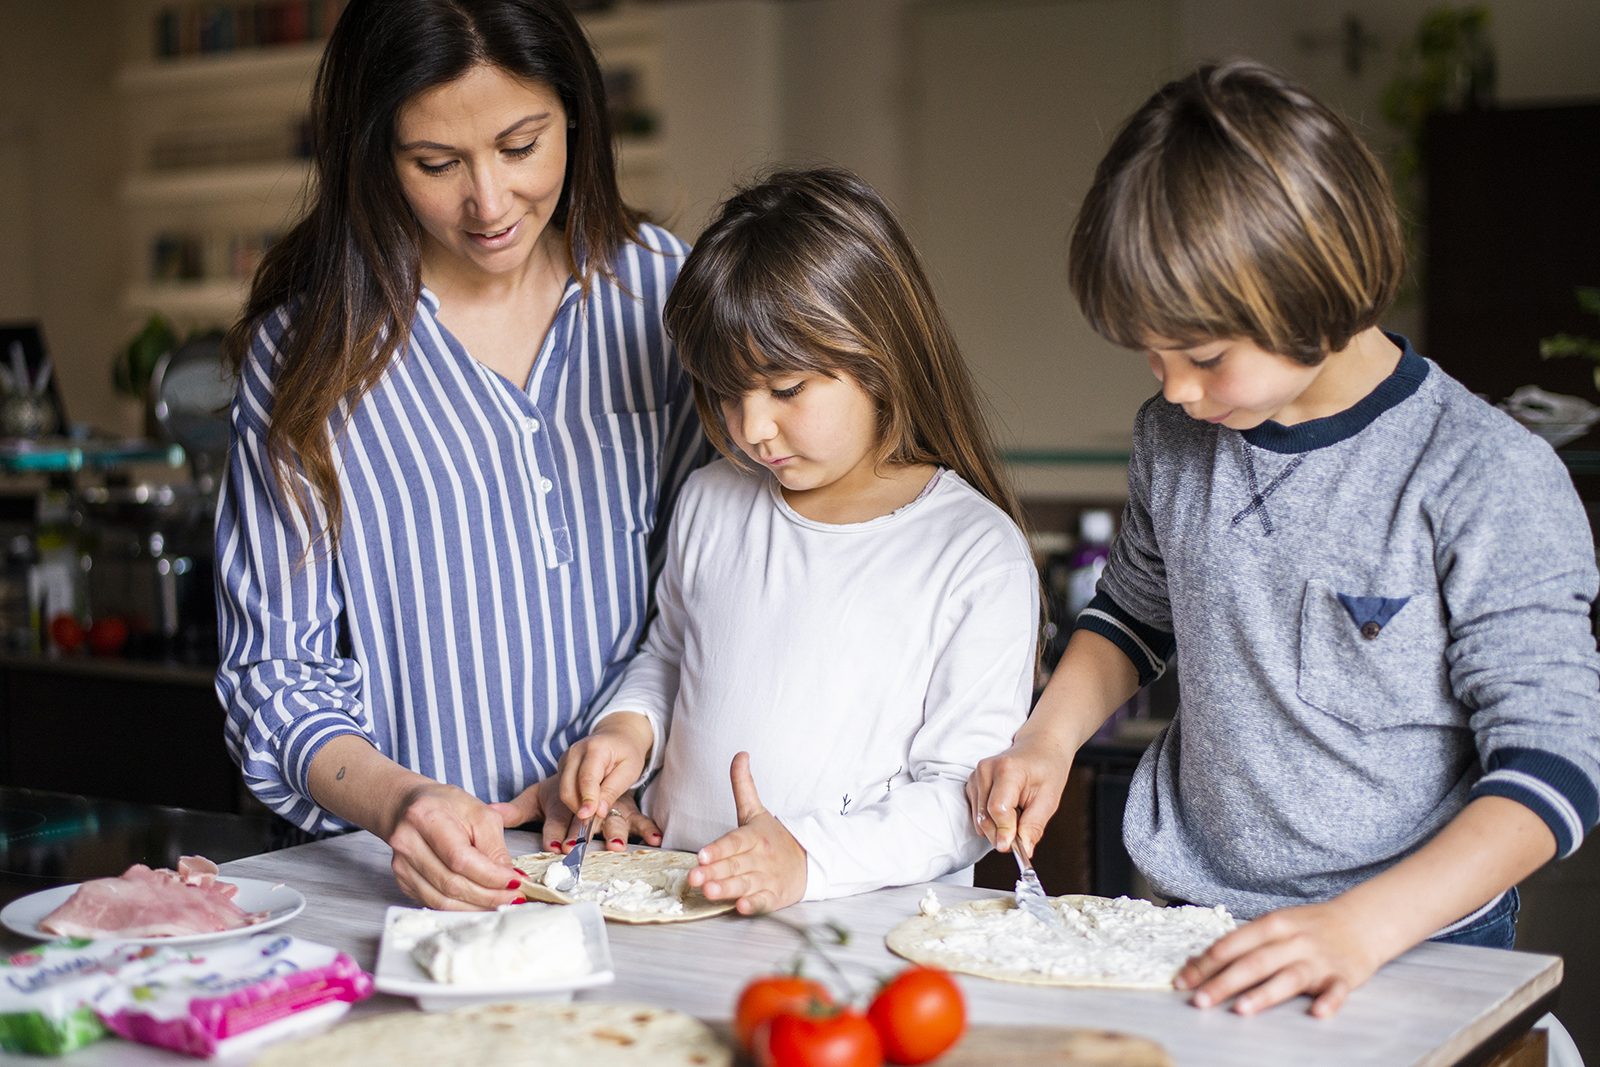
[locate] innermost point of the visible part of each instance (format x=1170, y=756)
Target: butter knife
x=573, y=861
x=1030, y=894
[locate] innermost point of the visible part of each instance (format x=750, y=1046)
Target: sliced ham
x=152, y=903
x=199, y=871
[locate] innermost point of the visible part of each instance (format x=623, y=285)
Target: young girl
x=847, y=596
x=1377, y=586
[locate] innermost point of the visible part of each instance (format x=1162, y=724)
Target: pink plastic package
x=223, y=998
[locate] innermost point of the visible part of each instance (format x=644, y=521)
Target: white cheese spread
x=636, y=897
x=557, y=876
x=1119, y=941
x=929, y=904
x=522, y=945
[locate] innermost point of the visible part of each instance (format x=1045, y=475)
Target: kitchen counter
x=1437, y=1004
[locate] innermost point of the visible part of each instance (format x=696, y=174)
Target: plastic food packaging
x=233, y=996
x=47, y=993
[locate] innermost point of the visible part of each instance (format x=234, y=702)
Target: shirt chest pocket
x=1375, y=662
x=630, y=446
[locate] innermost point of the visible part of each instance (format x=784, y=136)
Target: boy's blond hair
x=1234, y=204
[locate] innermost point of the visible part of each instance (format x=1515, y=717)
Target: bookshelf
x=213, y=99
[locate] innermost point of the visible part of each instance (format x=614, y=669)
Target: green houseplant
x=1564, y=345
x=132, y=366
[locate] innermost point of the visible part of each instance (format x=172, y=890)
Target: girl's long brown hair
x=809, y=271
x=348, y=272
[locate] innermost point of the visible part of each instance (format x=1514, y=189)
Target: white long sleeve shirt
x=865, y=667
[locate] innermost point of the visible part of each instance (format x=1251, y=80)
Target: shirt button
x=532, y=424
x=1370, y=630
x=545, y=485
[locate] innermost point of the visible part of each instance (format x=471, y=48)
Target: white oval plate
x=397, y=973
x=280, y=902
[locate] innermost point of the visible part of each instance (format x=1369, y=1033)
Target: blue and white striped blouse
x=494, y=566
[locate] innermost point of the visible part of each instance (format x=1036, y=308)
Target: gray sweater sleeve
x=1516, y=567
x=1130, y=608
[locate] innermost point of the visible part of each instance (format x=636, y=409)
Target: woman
x=458, y=429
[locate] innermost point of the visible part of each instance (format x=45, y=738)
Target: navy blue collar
x=1319, y=433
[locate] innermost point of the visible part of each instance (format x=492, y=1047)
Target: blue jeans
x=1497, y=929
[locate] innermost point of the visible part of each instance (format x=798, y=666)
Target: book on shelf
x=207, y=28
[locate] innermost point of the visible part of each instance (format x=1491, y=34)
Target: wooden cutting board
x=1047, y=1046
x=1053, y=1046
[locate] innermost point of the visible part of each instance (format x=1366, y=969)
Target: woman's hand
x=542, y=802
x=450, y=851
x=561, y=828
x=1324, y=950
x=449, y=847
x=760, y=865
x=1013, y=795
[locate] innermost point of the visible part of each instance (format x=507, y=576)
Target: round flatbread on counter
x=1115, y=944
x=531, y=1033
x=642, y=885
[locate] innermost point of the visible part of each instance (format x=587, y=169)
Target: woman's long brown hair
x=809, y=271
x=348, y=273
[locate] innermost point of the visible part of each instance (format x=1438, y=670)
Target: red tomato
x=775, y=994
x=843, y=1039
x=66, y=633
x=107, y=636
x=918, y=1015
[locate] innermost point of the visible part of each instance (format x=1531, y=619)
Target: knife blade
x=1029, y=893
x=573, y=861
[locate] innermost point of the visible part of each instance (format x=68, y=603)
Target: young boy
x=1377, y=586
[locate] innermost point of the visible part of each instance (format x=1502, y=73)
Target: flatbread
x=530, y=1033
x=661, y=869
x=1109, y=944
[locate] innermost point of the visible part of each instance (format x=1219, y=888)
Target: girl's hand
x=1324, y=950
x=1013, y=795
x=450, y=851
x=599, y=768
x=561, y=828
x=761, y=864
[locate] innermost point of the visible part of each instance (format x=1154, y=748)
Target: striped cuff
x=1552, y=787
x=1146, y=646
x=304, y=738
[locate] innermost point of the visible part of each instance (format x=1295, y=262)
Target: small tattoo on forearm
x=340, y=776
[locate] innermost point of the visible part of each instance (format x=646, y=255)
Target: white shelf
x=221, y=300
x=221, y=69
x=640, y=155
x=624, y=25
x=277, y=181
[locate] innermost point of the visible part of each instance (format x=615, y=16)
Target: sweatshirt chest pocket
x=1375, y=661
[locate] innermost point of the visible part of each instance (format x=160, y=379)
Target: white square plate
x=399, y=974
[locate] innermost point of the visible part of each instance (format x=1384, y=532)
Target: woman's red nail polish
x=574, y=841
x=515, y=883
x=554, y=845
x=618, y=841
x=520, y=900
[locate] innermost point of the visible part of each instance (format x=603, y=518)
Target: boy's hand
x=1013, y=795
x=599, y=768
x=761, y=864
x=1323, y=950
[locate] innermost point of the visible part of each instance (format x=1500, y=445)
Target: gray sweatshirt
x=1378, y=616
